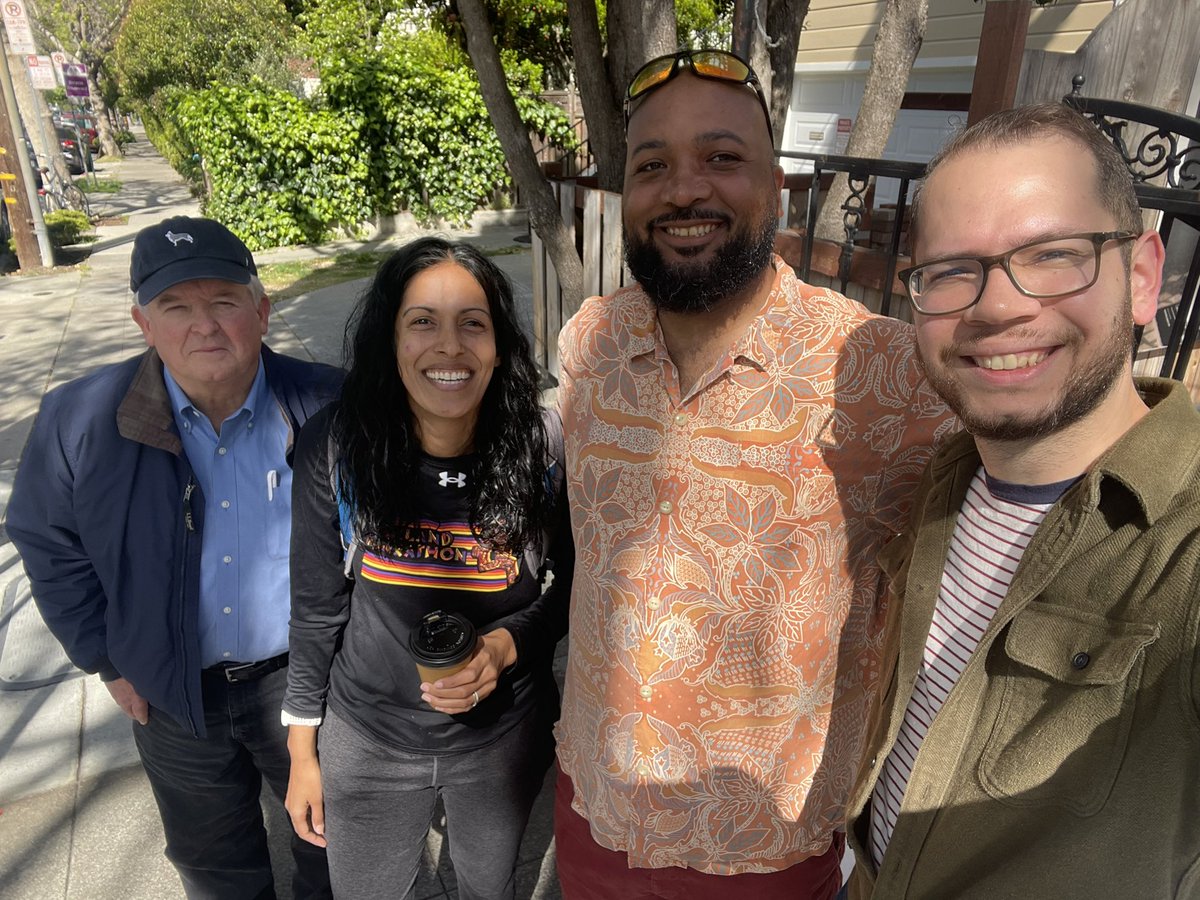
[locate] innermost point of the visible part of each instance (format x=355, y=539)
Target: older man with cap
x=152, y=510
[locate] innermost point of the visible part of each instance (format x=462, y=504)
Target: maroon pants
x=588, y=871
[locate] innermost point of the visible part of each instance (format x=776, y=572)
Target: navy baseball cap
x=183, y=249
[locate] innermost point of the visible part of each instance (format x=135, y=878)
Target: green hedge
x=279, y=171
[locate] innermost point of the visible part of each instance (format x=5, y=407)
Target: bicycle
x=56, y=194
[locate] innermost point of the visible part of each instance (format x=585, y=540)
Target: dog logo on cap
x=176, y=238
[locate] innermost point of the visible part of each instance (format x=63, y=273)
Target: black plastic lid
x=442, y=639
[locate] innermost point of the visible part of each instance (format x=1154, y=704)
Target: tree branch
x=514, y=139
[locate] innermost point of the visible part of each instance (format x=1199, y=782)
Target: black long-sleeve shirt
x=349, y=636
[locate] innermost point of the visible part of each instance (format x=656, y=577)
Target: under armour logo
x=446, y=479
x=176, y=238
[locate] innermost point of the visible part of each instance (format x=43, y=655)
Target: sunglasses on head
x=714, y=65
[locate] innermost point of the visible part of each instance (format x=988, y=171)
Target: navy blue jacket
x=108, y=519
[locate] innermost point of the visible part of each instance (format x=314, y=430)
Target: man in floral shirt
x=740, y=445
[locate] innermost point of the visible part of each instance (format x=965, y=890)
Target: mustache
x=684, y=215
x=969, y=346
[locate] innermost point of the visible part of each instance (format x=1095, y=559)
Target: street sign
x=59, y=59
x=16, y=23
x=842, y=137
x=75, y=76
x=41, y=73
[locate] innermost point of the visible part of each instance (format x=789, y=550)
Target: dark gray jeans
x=379, y=803
x=207, y=791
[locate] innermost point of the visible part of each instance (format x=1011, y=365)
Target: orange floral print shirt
x=723, y=642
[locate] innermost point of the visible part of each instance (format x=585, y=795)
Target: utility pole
x=19, y=188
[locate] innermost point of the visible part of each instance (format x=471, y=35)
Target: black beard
x=699, y=287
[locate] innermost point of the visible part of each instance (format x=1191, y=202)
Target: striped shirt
x=994, y=527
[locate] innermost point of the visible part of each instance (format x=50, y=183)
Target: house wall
x=840, y=31
x=835, y=52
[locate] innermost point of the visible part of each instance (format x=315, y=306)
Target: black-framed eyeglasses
x=714, y=65
x=1042, y=269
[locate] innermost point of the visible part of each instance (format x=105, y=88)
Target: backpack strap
x=555, y=452
x=537, y=558
x=345, y=512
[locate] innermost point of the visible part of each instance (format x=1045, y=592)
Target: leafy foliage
x=209, y=41
x=280, y=171
x=535, y=30
x=66, y=226
x=400, y=123
x=704, y=23
x=433, y=148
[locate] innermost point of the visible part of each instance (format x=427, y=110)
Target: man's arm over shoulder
x=42, y=524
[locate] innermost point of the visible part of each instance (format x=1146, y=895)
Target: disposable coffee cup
x=442, y=644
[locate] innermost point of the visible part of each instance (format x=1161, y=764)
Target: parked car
x=77, y=157
x=87, y=128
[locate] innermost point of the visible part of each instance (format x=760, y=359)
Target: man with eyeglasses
x=1039, y=735
x=740, y=446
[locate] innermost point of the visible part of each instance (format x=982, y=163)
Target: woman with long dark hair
x=427, y=505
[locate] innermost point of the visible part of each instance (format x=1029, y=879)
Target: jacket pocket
x=1067, y=680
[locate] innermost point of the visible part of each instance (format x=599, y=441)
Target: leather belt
x=240, y=673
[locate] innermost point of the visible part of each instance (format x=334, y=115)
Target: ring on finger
x=474, y=699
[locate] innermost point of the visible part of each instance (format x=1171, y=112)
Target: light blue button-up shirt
x=247, y=487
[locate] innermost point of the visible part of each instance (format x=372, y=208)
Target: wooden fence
x=593, y=219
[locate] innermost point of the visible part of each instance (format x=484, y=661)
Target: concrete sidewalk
x=77, y=819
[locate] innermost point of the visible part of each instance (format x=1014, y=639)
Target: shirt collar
x=255, y=404
x=1172, y=422
x=1169, y=435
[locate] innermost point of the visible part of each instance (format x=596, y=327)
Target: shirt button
x=653, y=602
x=226, y=654
x=227, y=610
x=665, y=507
x=227, y=559
x=643, y=770
x=249, y=425
x=224, y=504
x=222, y=451
x=646, y=691
x=680, y=418
x=1080, y=660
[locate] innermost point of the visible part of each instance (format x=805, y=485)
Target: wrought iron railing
x=1167, y=152
x=862, y=174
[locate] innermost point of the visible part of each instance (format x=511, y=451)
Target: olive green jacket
x=1066, y=761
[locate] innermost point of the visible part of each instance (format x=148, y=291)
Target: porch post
x=998, y=65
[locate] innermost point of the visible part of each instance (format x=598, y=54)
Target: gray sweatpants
x=379, y=803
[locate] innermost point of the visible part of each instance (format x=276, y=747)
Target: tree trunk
x=108, y=142
x=901, y=33
x=636, y=32
x=514, y=139
x=601, y=106
x=660, y=35
x=773, y=56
